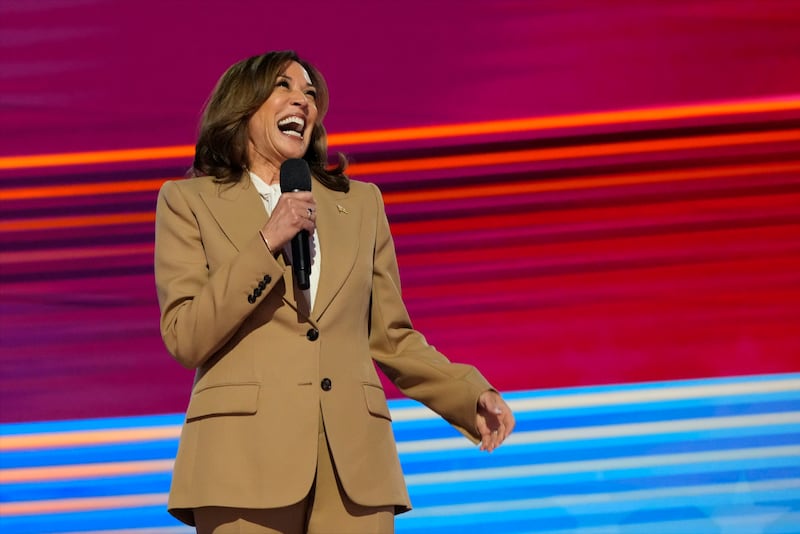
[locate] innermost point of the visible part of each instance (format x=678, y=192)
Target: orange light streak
x=78, y=221
x=611, y=180
x=786, y=103
x=96, y=157
x=772, y=204
x=444, y=162
x=747, y=107
x=66, y=472
x=54, y=506
x=429, y=195
x=76, y=190
x=572, y=152
x=42, y=255
x=53, y=440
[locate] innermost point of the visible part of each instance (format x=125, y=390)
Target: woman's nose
x=299, y=98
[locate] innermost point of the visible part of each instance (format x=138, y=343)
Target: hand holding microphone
x=294, y=218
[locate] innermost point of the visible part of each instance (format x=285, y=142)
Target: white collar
x=264, y=189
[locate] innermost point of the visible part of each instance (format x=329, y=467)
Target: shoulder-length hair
x=221, y=149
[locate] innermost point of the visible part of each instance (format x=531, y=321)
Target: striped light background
x=646, y=244
x=700, y=456
x=580, y=193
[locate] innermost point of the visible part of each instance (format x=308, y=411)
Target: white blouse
x=270, y=195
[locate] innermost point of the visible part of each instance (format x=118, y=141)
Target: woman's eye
x=312, y=94
x=282, y=83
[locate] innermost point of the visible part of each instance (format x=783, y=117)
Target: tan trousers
x=326, y=510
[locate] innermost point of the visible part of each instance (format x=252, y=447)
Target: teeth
x=293, y=133
x=292, y=120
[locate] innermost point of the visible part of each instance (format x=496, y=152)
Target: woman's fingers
x=293, y=212
x=300, y=207
x=495, y=420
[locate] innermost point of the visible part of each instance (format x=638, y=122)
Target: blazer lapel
x=239, y=211
x=338, y=222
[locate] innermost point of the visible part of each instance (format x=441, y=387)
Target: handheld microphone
x=296, y=176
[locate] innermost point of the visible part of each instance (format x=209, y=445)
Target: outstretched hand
x=494, y=420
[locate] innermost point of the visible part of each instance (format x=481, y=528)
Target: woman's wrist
x=266, y=242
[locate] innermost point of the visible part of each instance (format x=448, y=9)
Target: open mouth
x=292, y=126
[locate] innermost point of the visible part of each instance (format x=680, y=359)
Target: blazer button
x=262, y=285
x=267, y=279
x=312, y=334
x=326, y=384
x=257, y=292
x=251, y=299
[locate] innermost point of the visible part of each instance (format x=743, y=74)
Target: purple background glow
x=106, y=74
x=677, y=278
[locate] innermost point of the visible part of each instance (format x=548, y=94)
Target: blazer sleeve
x=415, y=367
x=201, y=311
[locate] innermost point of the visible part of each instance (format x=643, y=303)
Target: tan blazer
x=267, y=365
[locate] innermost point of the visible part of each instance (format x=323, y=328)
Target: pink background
x=578, y=283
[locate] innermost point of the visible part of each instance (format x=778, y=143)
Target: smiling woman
x=241, y=117
x=281, y=128
x=288, y=428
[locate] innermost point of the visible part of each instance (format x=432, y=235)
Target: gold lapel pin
x=341, y=208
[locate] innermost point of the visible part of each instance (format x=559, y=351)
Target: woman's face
x=281, y=128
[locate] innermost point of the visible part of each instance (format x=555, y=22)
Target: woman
x=288, y=429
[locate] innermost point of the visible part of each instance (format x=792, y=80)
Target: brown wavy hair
x=221, y=149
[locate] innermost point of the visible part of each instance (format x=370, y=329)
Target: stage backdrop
x=580, y=192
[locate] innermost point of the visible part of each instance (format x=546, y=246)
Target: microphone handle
x=301, y=262
x=301, y=257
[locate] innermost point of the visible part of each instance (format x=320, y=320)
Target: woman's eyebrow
x=310, y=84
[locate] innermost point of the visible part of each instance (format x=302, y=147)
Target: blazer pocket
x=376, y=401
x=224, y=399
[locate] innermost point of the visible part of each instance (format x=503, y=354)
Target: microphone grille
x=295, y=175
